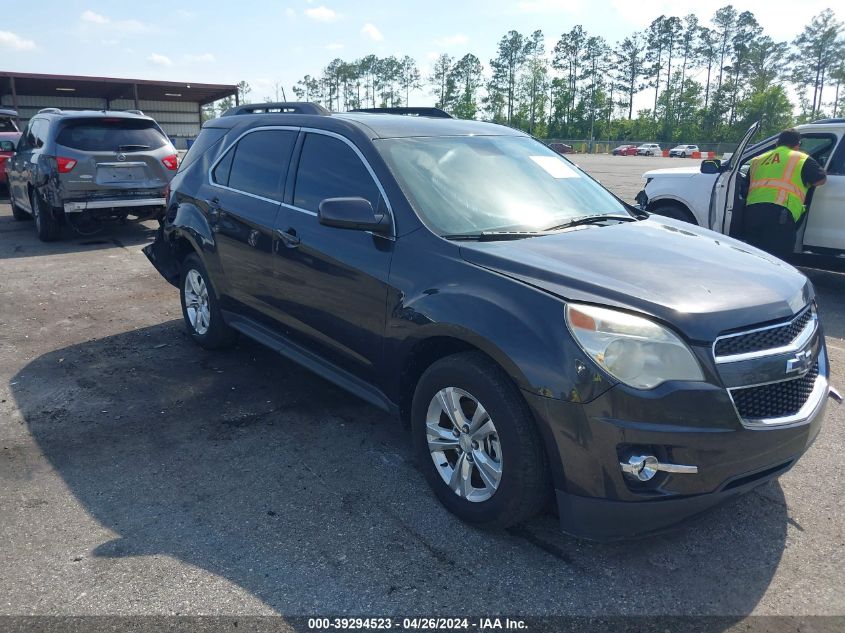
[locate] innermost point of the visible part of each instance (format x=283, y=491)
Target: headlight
x=632, y=349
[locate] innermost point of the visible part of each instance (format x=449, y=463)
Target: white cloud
x=204, y=58
x=15, y=41
x=160, y=60
x=552, y=6
x=334, y=46
x=322, y=14
x=94, y=18
x=290, y=13
x=98, y=20
x=185, y=15
x=432, y=55
x=370, y=30
x=458, y=39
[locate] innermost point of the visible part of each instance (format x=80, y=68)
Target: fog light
x=645, y=467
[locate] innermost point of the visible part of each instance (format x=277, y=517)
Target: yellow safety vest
x=776, y=178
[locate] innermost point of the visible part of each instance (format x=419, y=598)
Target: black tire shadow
x=18, y=239
x=247, y=466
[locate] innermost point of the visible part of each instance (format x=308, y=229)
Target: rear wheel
x=47, y=227
x=200, y=307
x=476, y=442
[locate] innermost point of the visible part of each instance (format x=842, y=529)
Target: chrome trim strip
x=811, y=407
x=78, y=207
x=133, y=164
x=797, y=343
x=300, y=209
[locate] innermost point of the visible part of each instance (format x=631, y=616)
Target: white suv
x=712, y=194
x=683, y=151
x=649, y=149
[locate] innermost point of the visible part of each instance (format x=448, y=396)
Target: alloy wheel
x=196, y=302
x=464, y=444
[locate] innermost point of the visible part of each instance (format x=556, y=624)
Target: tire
x=47, y=228
x=471, y=380
x=676, y=212
x=17, y=213
x=200, y=308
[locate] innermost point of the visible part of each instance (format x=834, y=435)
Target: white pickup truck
x=712, y=194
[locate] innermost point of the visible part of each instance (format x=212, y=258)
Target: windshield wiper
x=592, y=219
x=492, y=236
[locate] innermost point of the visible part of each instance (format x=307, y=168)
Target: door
x=724, y=195
x=242, y=207
x=826, y=210
x=22, y=162
x=334, y=280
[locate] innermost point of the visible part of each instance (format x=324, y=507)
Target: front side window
x=472, y=184
x=260, y=162
x=329, y=168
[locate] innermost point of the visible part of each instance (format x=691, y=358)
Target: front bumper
x=678, y=423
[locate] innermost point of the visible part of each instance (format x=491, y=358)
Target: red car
x=625, y=150
x=8, y=142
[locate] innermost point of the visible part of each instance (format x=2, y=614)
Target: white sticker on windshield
x=555, y=167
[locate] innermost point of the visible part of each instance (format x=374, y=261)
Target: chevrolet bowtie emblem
x=800, y=363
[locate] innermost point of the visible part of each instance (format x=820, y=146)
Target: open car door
x=724, y=196
x=825, y=227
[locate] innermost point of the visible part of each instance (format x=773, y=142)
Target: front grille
x=769, y=338
x=777, y=400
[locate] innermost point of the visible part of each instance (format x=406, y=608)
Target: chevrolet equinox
x=544, y=340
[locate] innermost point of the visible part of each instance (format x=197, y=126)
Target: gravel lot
x=142, y=475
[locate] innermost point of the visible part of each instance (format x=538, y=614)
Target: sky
x=266, y=42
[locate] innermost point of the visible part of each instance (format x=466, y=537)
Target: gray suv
x=81, y=168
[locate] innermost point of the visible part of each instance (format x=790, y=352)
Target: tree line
x=706, y=82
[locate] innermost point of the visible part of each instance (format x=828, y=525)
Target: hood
x=677, y=172
x=698, y=281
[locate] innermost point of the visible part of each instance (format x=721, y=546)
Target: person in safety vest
x=777, y=190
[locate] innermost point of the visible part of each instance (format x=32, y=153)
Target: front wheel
x=200, y=308
x=477, y=443
x=17, y=213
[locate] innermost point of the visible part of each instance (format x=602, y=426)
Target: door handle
x=289, y=237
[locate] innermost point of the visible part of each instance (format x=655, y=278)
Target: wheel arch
x=655, y=204
x=427, y=351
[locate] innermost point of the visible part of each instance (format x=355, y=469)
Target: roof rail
x=134, y=112
x=282, y=107
x=8, y=112
x=436, y=113
x=829, y=121
x=49, y=110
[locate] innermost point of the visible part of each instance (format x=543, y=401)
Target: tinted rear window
x=111, y=135
x=7, y=125
x=261, y=162
x=7, y=146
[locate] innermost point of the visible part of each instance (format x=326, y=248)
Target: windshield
x=111, y=134
x=472, y=184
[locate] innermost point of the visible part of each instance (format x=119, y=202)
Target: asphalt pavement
x=140, y=474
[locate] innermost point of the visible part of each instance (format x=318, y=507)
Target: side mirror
x=352, y=213
x=711, y=166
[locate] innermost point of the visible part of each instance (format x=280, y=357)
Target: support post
x=14, y=93
x=135, y=95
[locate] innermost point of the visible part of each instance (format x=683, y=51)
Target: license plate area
x=111, y=173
